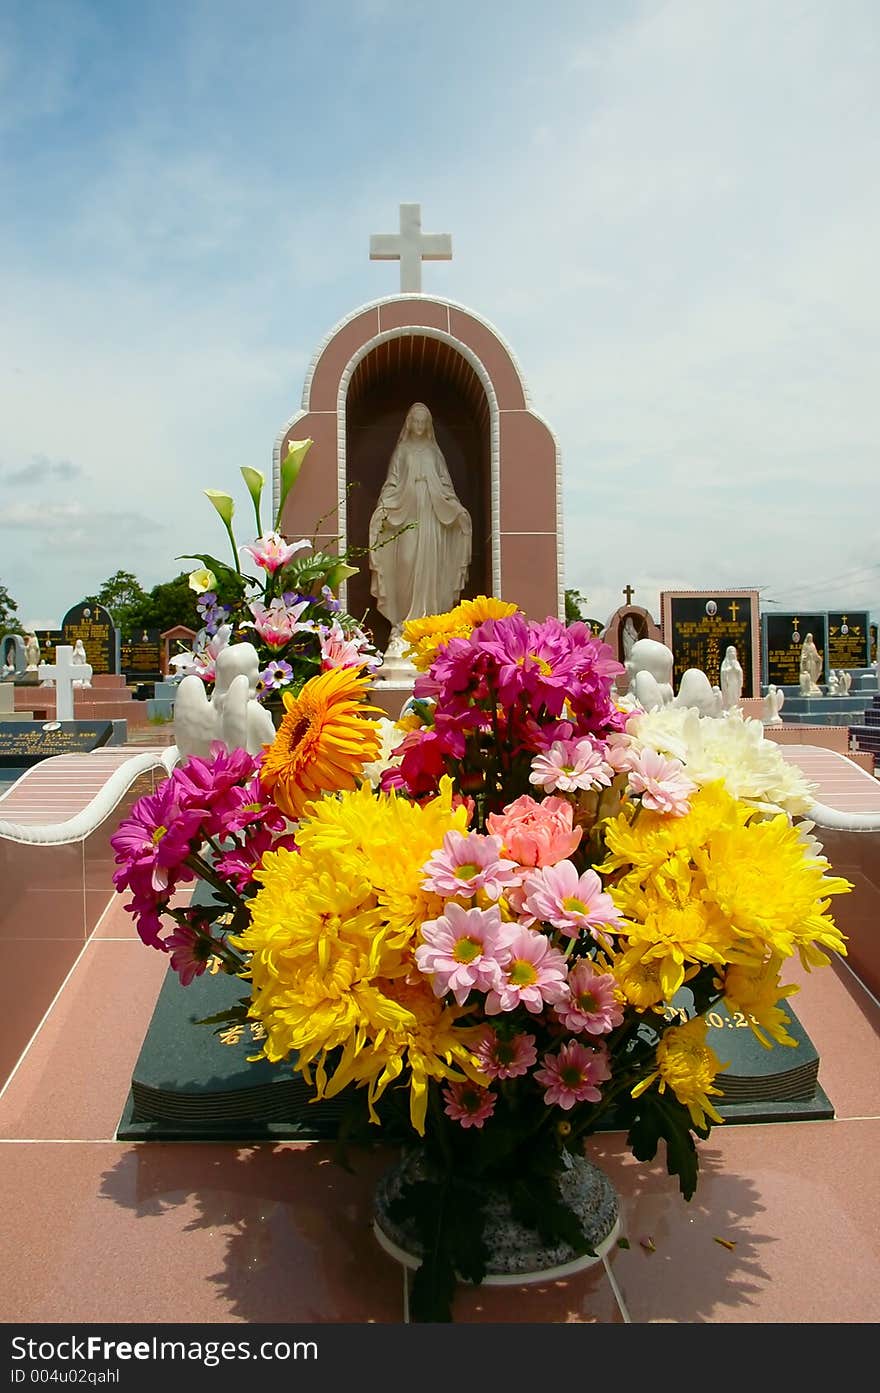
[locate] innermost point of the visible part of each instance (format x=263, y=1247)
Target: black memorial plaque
x=92, y=624
x=48, y=639
x=24, y=743
x=873, y=633
x=702, y=628
x=848, y=639
x=142, y=656
x=784, y=635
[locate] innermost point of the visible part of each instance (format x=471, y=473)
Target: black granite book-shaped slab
x=192, y=1084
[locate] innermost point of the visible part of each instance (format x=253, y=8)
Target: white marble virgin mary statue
x=423, y=570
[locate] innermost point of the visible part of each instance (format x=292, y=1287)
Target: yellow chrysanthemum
x=332, y=937
x=324, y=741
x=641, y=847
x=638, y=979
x=482, y=607
x=426, y=636
x=687, y=1066
x=424, y=1041
x=676, y=936
x=755, y=992
x=774, y=892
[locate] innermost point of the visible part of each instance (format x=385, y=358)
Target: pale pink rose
x=536, y=834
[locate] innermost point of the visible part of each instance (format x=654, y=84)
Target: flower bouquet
x=290, y=612
x=514, y=939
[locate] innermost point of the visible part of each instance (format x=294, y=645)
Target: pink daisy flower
x=591, y=1003
x=190, y=951
x=505, y=1059
x=557, y=895
x=532, y=975
x=460, y=950
x=662, y=783
x=570, y=765
x=619, y=753
x=468, y=1104
x=469, y=862
x=572, y=1075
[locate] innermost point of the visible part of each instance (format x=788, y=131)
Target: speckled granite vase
x=517, y=1255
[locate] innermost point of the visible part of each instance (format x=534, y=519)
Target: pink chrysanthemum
x=532, y=973
x=505, y=1059
x=570, y=765
x=190, y=951
x=468, y=863
x=460, y=951
x=591, y=1004
x=557, y=895
x=468, y=1104
x=572, y=1075
x=661, y=783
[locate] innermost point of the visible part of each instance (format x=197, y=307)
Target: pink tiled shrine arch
x=503, y=457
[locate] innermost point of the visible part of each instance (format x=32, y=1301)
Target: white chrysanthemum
x=391, y=736
x=732, y=748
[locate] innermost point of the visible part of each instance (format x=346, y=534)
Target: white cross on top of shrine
x=64, y=672
x=411, y=247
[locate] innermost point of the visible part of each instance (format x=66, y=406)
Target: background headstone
x=783, y=635
x=699, y=625
x=92, y=624
x=141, y=658
x=23, y=745
x=48, y=639
x=872, y=630
x=13, y=659
x=848, y=639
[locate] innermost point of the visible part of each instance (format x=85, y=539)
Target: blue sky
x=669, y=210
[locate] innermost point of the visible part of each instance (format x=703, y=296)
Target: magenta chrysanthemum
x=154, y=841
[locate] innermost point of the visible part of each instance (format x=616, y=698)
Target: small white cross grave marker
x=64, y=672
x=411, y=247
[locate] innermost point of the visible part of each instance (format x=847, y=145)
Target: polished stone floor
x=106, y=1231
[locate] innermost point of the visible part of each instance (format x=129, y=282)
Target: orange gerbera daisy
x=324, y=740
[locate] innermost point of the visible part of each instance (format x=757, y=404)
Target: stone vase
x=517, y=1255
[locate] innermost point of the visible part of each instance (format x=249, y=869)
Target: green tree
x=9, y=620
x=574, y=606
x=169, y=603
x=123, y=595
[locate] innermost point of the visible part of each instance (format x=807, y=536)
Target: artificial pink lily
x=272, y=552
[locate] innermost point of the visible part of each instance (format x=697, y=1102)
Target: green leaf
x=660, y=1115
